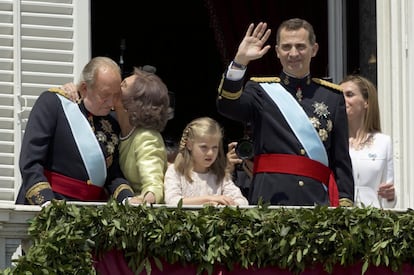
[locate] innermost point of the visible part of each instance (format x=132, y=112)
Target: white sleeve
x=234, y=74
x=233, y=191
x=172, y=186
x=389, y=172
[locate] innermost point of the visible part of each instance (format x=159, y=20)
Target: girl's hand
x=220, y=200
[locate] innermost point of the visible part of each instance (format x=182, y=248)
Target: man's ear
x=276, y=50
x=82, y=89
x=315, y=49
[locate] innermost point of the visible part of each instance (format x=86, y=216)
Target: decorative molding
x=395, y=43
x=13, y=228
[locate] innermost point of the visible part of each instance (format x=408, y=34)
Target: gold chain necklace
x=361, y=145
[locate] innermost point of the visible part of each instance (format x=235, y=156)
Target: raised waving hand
x=253, y=45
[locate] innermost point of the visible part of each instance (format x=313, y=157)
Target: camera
x=244, y=149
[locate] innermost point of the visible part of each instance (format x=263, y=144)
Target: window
x=39, y=48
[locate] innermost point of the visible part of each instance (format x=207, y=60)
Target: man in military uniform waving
x=299, y=122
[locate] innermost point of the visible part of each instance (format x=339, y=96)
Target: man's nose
x=293, y=51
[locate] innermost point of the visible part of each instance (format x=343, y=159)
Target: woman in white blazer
x=370, y=150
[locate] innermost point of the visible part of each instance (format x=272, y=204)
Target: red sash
x=74, y=188
x=301, y=166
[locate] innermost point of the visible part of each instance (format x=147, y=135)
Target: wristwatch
x=238, y=65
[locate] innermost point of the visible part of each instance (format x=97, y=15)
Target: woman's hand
x=71, y=91
x=149, y=197
x=386, y=191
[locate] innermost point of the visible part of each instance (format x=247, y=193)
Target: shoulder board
x=58, y=91
x=327, y=84
x=265, y=79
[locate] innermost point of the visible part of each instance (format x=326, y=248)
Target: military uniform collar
x=294, y=82
x=296, y=85
x=83, y=108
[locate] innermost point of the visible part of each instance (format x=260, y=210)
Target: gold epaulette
x=59, y=91
x=265, y=79
x=327, y=84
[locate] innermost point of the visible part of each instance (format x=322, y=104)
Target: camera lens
x=244, y=149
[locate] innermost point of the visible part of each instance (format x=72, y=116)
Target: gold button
x=301, y=183
x=302, y=152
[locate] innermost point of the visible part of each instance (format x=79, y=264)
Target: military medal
x=320, y=109
x=299, y=95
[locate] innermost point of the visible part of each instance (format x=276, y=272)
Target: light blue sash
x=86, y=141
x=298, y=121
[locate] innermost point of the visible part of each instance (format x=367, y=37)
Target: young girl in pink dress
x=199, y=174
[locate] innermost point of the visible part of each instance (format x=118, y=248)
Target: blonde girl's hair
x=196, y=129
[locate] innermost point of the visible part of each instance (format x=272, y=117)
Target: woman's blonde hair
x=372, y=121
x=196, y=129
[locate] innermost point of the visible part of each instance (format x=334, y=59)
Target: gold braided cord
x=230, y=95
x=327, y=84
x=121, y=188
x=269, y=79
x=34, y=192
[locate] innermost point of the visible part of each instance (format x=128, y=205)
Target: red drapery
x=113, y=263
x=229, y=21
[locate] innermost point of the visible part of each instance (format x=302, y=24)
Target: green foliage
x=65, y=237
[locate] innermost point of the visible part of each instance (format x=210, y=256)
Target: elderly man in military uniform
x=299, y=122
x=70, y=150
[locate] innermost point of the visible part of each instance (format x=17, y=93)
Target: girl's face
x=204, y=152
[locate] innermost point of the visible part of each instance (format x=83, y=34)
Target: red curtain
x=113, y=263
x=229, y=20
